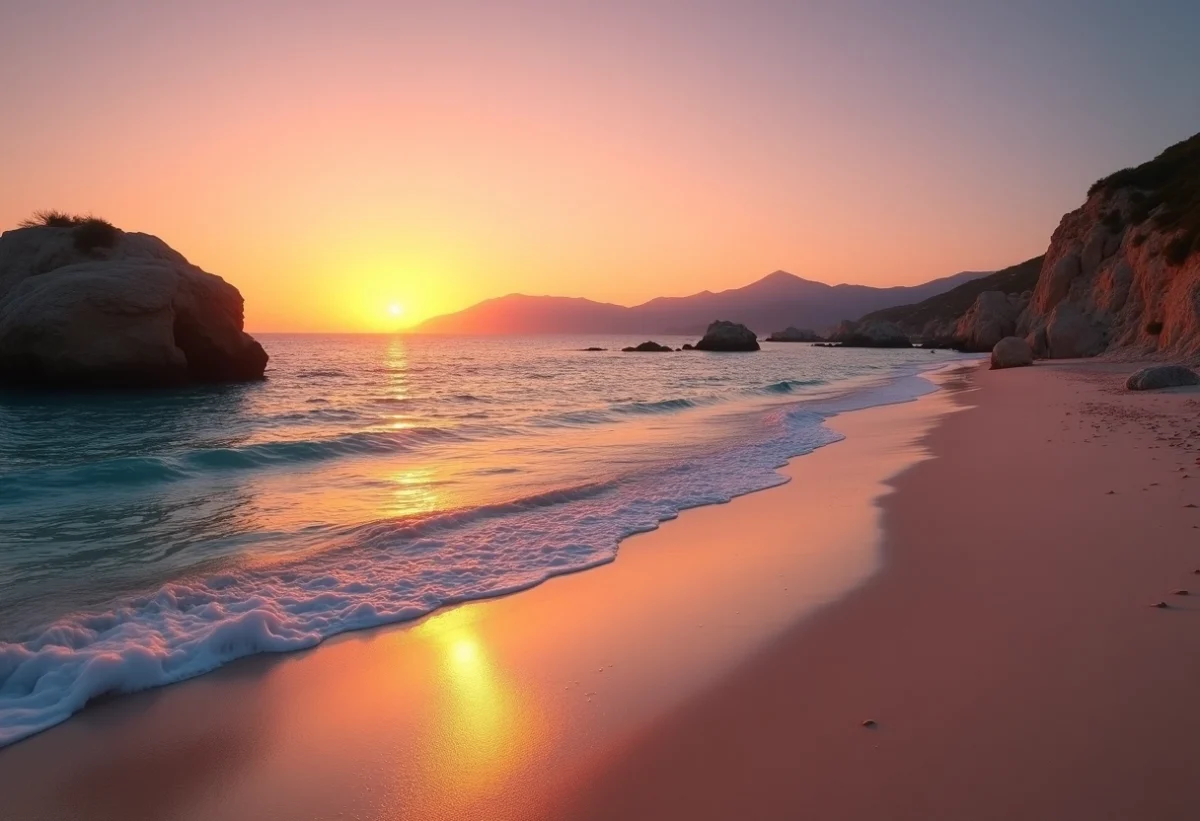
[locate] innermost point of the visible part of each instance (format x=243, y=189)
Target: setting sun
x=395, y=309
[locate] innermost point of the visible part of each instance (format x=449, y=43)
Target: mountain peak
x=781, y=276
x=776, y=301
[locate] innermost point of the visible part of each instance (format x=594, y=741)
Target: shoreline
x=484, y=663
x=1011, y=655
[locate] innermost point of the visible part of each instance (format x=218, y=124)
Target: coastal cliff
x=1122, y=273
x=84, y=304
x=1121, y=276
x=970, y=315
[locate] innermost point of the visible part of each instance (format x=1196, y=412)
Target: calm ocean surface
x=149, y=538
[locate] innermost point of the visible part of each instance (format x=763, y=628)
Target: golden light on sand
x=486, y=732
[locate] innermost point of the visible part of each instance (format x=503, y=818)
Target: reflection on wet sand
x=485, y=730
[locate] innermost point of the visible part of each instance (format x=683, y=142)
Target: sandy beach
x=1010, y=652
x=990, y=609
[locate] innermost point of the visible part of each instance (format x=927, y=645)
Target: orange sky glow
x=336, y=162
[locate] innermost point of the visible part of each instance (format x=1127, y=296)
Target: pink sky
x=335, y=161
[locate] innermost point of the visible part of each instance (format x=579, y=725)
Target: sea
x=146, y=538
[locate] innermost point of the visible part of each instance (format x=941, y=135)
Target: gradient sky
x=333, y=159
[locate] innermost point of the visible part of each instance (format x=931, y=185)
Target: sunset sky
x=340, y=161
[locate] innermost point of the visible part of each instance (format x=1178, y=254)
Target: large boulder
x=1162, y=376
x=791, y=334
x=728, y=336
x=1069, y=334
x=992, y=317
x=1011, y=352
x=126, y=312
x=869, y=333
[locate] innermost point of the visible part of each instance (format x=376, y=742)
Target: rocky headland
x=1120, y=278
x=1122, y=274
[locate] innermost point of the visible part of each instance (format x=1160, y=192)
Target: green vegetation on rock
x=88, y=232
x=1165, y=190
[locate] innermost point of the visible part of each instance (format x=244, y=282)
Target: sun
x=395, y=309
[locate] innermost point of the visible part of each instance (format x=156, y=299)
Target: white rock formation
x=130, y=313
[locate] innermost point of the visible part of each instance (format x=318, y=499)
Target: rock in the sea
x=1011, y=352
x=648, y=347
x=728, y=336
x=687, y=346
x=870, y=333
x=83, y=308
x=791, y=334
x=1162, y=376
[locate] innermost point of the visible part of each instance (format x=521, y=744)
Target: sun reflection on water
x=412, y=492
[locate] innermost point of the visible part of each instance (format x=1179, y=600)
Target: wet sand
x=993, y=616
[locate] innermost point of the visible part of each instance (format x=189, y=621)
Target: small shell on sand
x=870, y=724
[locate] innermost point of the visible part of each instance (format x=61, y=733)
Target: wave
x=664, y=406
x=616, y=411
x=153, y=469
x=788, y=385
x=322, y=373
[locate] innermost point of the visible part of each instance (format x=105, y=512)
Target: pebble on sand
x=1179, y=592
x=1162, y=605
x=870, y=724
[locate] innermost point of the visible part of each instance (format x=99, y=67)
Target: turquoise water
x=146, y=538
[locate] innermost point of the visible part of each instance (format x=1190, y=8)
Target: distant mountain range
x=772, y=303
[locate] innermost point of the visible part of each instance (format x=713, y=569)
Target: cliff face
x=953, y=317
x=1122, y=274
